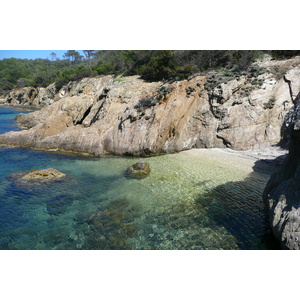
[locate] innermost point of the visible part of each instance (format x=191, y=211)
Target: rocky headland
x=127, y=115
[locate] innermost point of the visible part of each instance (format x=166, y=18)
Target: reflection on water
x=186, y=202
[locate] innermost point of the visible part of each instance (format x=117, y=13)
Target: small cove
x=197, y=199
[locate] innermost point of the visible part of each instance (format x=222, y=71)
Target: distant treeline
x=151, y=65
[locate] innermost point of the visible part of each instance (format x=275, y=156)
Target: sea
x=187, y=202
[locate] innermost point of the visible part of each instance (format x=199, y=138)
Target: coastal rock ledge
x=282, y=192
x=130, y=116
x=127, y=115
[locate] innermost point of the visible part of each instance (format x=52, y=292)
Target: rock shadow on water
x=268, y=166
x=239, y=207
x=229, y=216
x=118, y=224
x=58, y=204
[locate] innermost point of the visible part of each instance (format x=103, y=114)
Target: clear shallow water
x=186, y=202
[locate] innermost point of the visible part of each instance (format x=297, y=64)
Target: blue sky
x=32, y=54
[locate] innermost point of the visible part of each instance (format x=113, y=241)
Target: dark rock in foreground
x=282, y=193
x=139, y=170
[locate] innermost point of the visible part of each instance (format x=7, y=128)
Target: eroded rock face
x=42, y=97
x=282, y=193
x=33, y=97
x=129, y=116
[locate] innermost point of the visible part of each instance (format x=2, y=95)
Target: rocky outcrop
x=32, y=97
x=129, y=116
x=282, y=193
x=42, y=97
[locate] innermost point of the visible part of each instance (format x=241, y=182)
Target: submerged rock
x=113, y=226
x=45, y=175
x=59, y=204
x=138, y=170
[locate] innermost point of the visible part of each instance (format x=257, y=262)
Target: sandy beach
x=263, y=159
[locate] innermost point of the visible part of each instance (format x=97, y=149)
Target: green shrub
x=270, y=104
x=145, y=102
x=152, y=65
x=161, y=66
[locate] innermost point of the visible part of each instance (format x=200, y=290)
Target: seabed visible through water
x=196, y=199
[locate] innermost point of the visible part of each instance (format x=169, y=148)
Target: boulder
x=44, y=175
x=138, y=170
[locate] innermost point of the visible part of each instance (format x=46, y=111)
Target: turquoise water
x=185, y=203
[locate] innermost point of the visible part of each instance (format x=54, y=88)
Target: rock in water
x=282, y=192
x=139, y=170
x=44, y=175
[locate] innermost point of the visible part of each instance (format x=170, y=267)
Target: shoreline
x=19, y=107
x=265, y=159
x=262, y=159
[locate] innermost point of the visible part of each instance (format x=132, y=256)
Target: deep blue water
x=7, y=115
x=96, y=207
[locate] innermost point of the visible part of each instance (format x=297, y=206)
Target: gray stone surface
x=282, y=193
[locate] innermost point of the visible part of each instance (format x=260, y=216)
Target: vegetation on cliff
x=150, y=64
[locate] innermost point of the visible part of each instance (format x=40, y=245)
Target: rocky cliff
x=282, y=193
x=127, y=115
